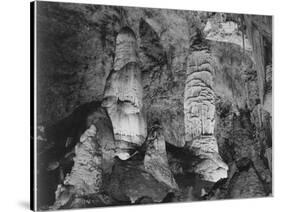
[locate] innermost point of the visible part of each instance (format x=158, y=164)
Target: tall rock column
x=123, y=95
x=199, y=110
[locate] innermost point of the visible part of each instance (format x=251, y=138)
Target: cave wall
x=171, y=93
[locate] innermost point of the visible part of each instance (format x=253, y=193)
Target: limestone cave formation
x=140, y=105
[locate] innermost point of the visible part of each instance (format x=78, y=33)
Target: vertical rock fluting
x=123, y=92
x=267, y=105
x=259, y=32
x=199, y=110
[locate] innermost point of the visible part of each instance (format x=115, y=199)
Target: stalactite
x=123, y=93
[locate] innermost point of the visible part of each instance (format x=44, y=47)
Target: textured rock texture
x=86, y=172
x=123, y=91
x=140, y=105
x=131, y=182
x=199, y=97
x=261, y=38
x=199, y=111
x=156, y=161
x=94, y=157
x=85, y=177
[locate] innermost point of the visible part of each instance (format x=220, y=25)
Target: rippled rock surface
x=199, y=108
x=123, y=91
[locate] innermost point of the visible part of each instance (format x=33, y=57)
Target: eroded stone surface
x=86, y=175
x=199, y=111
x=219, y=29
x=199, y=96
x=104, y=137
x=81, y=49
x=131, y=182
x=126, y=48
x=156, y=161
x=210, y=166
x=123, y=92
x=247, y=185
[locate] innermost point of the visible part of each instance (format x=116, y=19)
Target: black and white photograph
x=139, y=105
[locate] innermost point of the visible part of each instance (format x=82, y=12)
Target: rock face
x=131, y=182
x=268, y=90
x=222, y=28
x=156, y=161
x=250, y=185
x=105, y=137
x=211, y=166
x=85, y=177
x=126, y=49
x=93, y=157
x=140, y=105
x=261, y=40
x=87, y=170
x=123, y=92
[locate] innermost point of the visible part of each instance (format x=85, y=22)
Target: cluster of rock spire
x=123, y=101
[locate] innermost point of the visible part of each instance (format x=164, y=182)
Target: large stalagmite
x=199, y=96
x=123, y=93
x=199, y=110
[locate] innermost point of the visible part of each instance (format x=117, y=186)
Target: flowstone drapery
x=123, y=94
